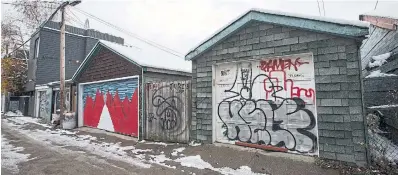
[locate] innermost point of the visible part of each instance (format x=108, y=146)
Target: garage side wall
x=337, y=83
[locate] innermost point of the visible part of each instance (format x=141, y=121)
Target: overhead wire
x=323, y=5
x=74, y=15
x=152, y=43
x=319, y=8
x=41, y=26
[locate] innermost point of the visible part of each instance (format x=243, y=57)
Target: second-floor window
x=37, y=42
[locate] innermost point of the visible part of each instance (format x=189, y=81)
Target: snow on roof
x=317, y=18
x=384, y=13
x=379, y=60
x=378, y=73
x=151, y=57
x=356, y=23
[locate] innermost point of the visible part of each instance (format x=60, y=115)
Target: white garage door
x=269, y=101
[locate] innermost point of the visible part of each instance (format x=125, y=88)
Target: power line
x=41, y=26
x=77, y=21
x=323, y=5
x=376, y=4
x=164, y=48
x=319, y=8
x=75, y=16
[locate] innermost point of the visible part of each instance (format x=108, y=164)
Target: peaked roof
x=341, y=27
x=148, y=58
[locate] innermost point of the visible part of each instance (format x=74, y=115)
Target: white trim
x=41, y=87
x=139, y=101
x=70, y=33
x=114, y=79
x=213, y=104
x=80, y=105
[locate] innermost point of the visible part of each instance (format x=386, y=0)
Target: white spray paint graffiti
x=268, y=102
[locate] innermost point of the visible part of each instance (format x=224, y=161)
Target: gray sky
x=183, y=24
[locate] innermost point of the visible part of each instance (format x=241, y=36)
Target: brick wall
x=337, y=77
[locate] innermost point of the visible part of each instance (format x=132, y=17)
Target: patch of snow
x=384, y=106
x=378, y=73
x=241, y=170
x=11, y=156
x=197, y=162
x=86, y=137
x=177, y=150
x=194, y=161
x=17, y=113
x=24, y=120
x=192, y=143
x=138, y=151
x=159, y=159
x=142, y=141
x=156, y=143
x=379, y=60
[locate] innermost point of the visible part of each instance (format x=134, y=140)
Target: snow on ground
x=115, y=151
x=139, y=151
x=156, y=143
x=379, y=60
x=11, y=156
x=106, y=150
x=14, y=114
x=177, y=150
x=24, y=120
x=192, y=143
x=159, y=159
x=197, y=162
x=378, y=73
x=384, y=106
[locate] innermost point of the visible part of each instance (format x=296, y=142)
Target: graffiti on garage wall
x=268, y=102
x=112, y=106
x=167, y=111
x=44, y=104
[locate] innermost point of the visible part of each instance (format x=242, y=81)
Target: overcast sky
x=183, y=24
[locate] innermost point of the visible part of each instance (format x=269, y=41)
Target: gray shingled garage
x=283, y=81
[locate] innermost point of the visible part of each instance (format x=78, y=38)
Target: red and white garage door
x=269, y=101
x=112, y=105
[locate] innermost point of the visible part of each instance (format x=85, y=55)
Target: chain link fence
x=383, y=147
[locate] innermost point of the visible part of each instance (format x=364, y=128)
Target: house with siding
x=43, y=64
x=112, y=82
x=282, y=81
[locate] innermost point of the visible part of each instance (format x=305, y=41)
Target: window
x=37, y=42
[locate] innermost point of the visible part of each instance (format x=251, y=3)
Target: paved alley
x=29, y=147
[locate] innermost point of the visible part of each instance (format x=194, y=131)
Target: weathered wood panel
x=380, y=41
x=168, y=111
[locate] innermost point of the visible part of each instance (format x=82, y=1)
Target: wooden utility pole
x=62, y=65
x=62, y=60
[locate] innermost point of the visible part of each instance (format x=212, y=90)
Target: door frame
x=80, y=99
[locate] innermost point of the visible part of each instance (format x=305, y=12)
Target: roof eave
x=348, y=31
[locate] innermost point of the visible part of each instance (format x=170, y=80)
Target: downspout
x=142, y=105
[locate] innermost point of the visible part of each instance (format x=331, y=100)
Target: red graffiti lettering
x=288, y=85
x=281, y=64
